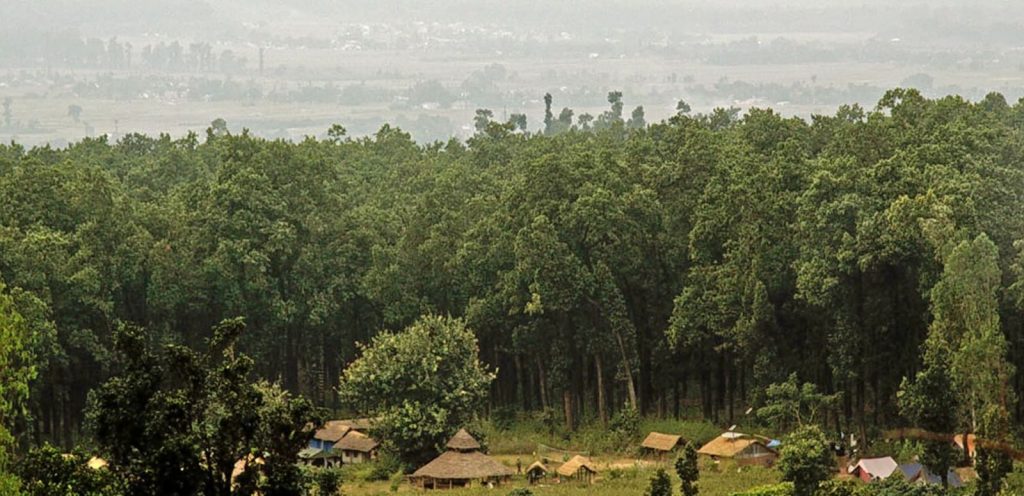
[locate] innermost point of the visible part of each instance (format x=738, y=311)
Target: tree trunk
x=543, y=384
x=567, y=405
x=599, y=374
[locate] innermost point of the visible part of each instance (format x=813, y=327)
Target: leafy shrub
x=626, y=422
x=660, y=485
x=520, y=491
x=328, y=481
x=396, y=480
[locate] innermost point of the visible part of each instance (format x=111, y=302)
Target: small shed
x=536, y=472
x=741, y=448
x=660, y=445
x=578, y=468
x=357, y=447
x=460, y=466
x=874, y=469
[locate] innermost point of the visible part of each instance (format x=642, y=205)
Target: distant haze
x=74, y=68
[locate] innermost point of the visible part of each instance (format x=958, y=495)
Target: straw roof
x=537, y=466
x=97, y=463
x=463, y=441
x=333, y=431
x=358, y=424
x=356, y=441
x=463, y=465
x=661, y=442
x=729, y=446
x=574, y=465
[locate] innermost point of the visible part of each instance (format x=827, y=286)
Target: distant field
x=579, y=81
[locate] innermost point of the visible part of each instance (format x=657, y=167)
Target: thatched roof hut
x=661, y=444
x=744, y=449
x=332, y=431
x=463, y=441
x=460, y=466
x=357, y=441
x=579, y=468
x=535, y=472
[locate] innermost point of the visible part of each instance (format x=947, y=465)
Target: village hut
x=659, y=445
x=874, y=469
x=578, y=468
x=536, y=472
x=332, y=432
x=356, y=447
x=460, y=466
x=741, y=448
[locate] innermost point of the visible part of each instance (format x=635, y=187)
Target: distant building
x=740, y=448
x=578, y=468
x=536, y=472
x=874, y=469
x=356, y=447
x=461, y=465
x=660, y=445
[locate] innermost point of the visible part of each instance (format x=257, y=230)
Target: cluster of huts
x=341, y=442
x=463, y=464
x=743, y=449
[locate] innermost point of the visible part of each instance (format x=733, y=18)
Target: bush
x=328, y=481
x=626, y=422
x=520, y=491
x=661, y=485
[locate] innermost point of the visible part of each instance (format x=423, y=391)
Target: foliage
x=176, y=421
x=806, y=459
x=48, y=472
x=688, y=470
x=328, y=482
x=17, y=370
x=421, y=385
x=520, y=491
x=790, y=403
x=660, y=484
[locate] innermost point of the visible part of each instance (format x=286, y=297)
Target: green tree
x=688, y=470
x=929, y=402
x=421, y=384
x=17, y=370
x=789, y=404
x=806, y=460
x=660, y=484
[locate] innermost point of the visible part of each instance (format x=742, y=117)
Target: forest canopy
x=602, y=262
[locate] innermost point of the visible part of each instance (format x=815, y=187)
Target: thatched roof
x=358, y=424
x=728, y=446
x=97, y=463
x=574, y=465
x=333, y=431
x=879, y=468
x=537, y=466
x=463, y=441
x=661, y=442
x=463, y=465
x=356, y=441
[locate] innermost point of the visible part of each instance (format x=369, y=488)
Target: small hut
x=578, y=468
x=460, y=466
x=660, y=445
x=536, y=472
x=741, y=448
x=332, y=432
x=356, y=447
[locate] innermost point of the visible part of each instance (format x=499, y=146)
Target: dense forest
x=679, y=267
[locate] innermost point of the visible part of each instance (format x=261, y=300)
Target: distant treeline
x=687, y=263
